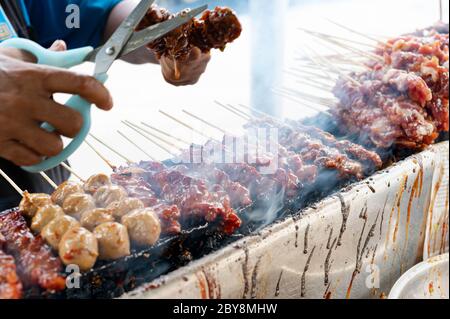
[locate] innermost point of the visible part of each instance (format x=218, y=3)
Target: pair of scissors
x=124, y=41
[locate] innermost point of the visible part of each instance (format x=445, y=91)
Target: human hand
x=186, y=72
x=26, y=92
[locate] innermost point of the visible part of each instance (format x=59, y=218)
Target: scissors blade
x=152, y=33
x=112, y=48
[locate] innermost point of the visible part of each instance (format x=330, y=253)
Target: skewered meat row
x=214, y=30
x=190, y=196
x=77, y=246
x=428, y=57
x=10, y=285
x=36, y=264
x=311, y=149
x=403, y=102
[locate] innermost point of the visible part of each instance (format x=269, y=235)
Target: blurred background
x=247, y=72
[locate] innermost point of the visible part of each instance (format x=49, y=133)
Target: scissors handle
x=64, y=59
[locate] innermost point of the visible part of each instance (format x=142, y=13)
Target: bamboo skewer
x=331, y=66
x=48, y=180
x=299, y=71
x=11, y=182
x=314, y=61
x=368, y=55
x=150, y=140
x=104, y=159
x=338, y=38
x=137, y=146
x=165, y=133
x=206, y=122
x=183, y=124
x=441, y=11
x=328, y=102
x=358, y=33
x=232, y=111
x=167, y=142
x=314, y=85
x=302, y=103
x=111, y=149
x=68, y=168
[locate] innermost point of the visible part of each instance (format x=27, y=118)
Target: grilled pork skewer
x=10, y=284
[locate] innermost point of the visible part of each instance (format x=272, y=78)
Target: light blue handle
x=64, y=59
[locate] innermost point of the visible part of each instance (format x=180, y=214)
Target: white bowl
x=427, y=280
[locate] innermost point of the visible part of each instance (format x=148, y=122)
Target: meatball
x=113, y=241
x=95, y=182
x=45, y=215
x=76, y=204
x=121, y=208
x=106, y=195
x=55, y=230
x=79, y=247
x=32, y=202
x=143, y=227
x=64, y=190
x=92, y=218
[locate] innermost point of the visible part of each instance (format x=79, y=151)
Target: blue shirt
x=48, y=19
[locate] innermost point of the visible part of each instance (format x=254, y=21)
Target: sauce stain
x=255, y=278
x=437, y=186
x=277, y=289
x=398, y=206
x=203, y=286
x=305, y=270
x=345, y=210
x=305, y=244
x=245, y=274
x=328, y=263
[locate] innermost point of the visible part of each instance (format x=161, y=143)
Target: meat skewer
x=10, y=284
x=35, y=262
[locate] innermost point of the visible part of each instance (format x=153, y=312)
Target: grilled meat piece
x=56, y=229
x=10, y=285
x=36, y=264
x=214, y=30
x=79, y=247
x=113, y=241
x=143, y=226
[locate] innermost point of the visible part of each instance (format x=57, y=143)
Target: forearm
x=118, y=14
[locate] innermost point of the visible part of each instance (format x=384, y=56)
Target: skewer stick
x=150, y=139
x=104, y=159
x=313, y=85
x=261, y=114
x=111, y=149
x=70, y=169
x=135, y=145
x=11, y=182
x=338, y=38
x=441, y=11
x=311, y=98
x=368, y=55
x=359, y=33
x=165, y=133
x=302, y=103
x=331, y=66
x=184, y=124
x=316, y=62
x=205, y=122
x=49, y=180
x=299, y=71
x=245, y=118
x=154, y=135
